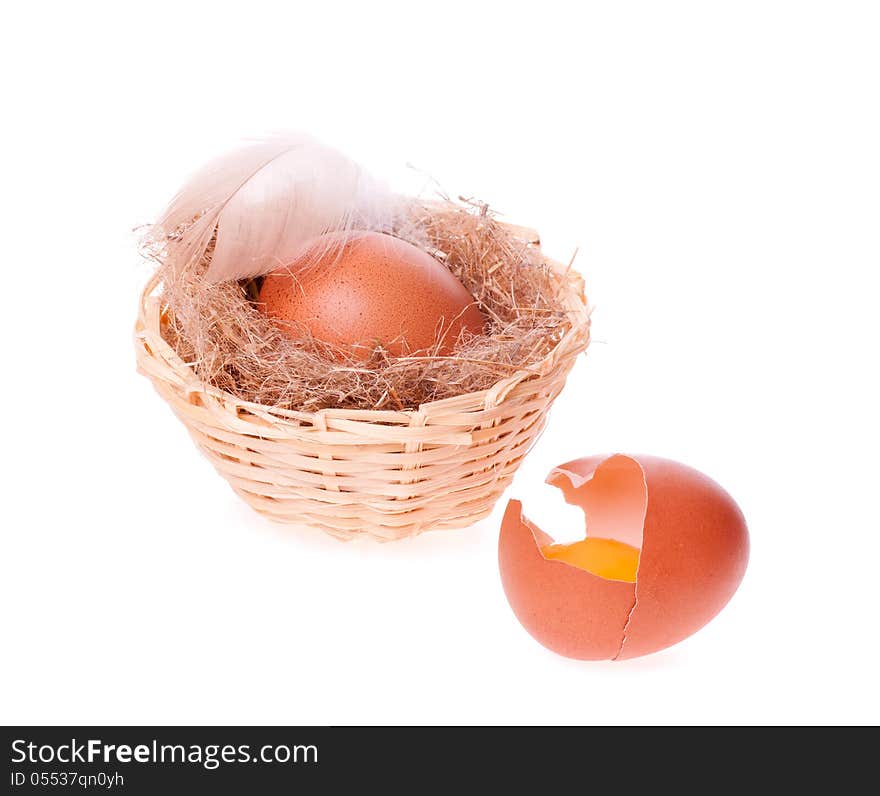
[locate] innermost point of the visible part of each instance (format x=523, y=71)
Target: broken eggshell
x=690, y=547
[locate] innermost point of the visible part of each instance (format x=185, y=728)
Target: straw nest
x=220, y=332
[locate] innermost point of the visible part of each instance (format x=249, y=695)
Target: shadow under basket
x=384, y=474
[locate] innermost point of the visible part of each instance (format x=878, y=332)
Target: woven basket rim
x=151, y=308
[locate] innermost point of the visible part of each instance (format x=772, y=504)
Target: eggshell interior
x=694, y=551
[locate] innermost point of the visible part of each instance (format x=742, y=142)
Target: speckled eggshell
x=567, y=609
x=694, y=553
x=374, y=289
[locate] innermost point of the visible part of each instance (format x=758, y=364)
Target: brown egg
x=665, y=549
x=374, y=289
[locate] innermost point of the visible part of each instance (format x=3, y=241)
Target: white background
x=718, y=164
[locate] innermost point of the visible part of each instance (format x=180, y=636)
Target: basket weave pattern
x=387, y=474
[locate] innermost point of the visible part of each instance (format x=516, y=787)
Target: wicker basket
x=384, y=474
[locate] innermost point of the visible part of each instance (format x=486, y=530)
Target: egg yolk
x=606, y=558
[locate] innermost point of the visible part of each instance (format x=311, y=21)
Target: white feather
x=266, y=203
